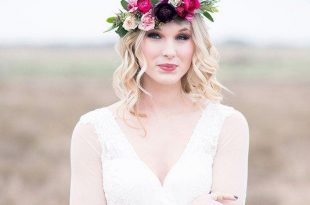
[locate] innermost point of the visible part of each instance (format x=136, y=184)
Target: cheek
x=186, y=52
x=149, y=50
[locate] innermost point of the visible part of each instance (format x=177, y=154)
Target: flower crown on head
x=149, y=14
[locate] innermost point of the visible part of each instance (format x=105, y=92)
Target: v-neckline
x=174, y=165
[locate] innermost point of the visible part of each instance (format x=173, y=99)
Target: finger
x=227, y=197
x=205, y=199
x=222, y=197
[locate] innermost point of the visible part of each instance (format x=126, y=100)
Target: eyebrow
x=183, y=29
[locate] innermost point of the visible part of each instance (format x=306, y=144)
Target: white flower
x=130, y=23
x=175, y=3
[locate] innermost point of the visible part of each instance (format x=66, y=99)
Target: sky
x=260, y=22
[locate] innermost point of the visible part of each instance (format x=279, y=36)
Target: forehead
x=173, y=26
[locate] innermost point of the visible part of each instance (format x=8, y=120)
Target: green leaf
x=209, y=5
x=208, y=8
x=109, y=29
x=206, y=14
x=121, y=31
x=154, y=2
x=111, y=19
x=124, y=4
x=212, y=9
x=117, y=20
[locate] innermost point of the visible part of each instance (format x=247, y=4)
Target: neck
x=166, y=99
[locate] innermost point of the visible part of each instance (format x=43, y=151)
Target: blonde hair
x=199, y=82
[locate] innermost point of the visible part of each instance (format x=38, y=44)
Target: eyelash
x=156, y=35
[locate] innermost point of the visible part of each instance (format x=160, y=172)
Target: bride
x=168, y=140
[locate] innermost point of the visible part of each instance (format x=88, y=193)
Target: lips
x=167, y=67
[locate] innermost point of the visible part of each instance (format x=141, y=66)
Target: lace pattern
x=119, y=163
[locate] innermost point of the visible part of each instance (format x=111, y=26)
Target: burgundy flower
x=144, y=5
x=187, y=8
x=191, y=5
x=164, y=12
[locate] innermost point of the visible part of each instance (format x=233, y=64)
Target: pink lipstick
x=167, y=67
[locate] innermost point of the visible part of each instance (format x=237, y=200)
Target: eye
x=183, y=37
x=153, y=35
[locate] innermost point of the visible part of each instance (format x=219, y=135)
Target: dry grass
x=38, y=114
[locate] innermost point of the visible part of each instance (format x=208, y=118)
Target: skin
x=168, y=106
x=172, y=43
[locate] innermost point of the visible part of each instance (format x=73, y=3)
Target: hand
x=213, y=199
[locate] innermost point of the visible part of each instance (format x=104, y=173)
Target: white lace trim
x=202, y=143
x=111, y=140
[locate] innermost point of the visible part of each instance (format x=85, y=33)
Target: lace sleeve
x=86, y=177
x=230, y=168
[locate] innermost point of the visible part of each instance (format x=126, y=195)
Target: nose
x=169, y=49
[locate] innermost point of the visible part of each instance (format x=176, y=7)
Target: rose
x=187, y=9
x=147, y=22
x=130, y=23
x=144, y=5
x=181, y=11
x=132, y=5
x=164, y=12
x=191, y=5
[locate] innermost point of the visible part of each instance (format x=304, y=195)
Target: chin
x=168, y=80
x=165, y=78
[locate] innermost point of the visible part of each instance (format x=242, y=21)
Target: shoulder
x=87, y=123
x=91, y=116
x=235, y=129
x=97, y=115
x=235, y=122
x=232, y=118
x=230, y=113
x=92, y=124
x=95, y=121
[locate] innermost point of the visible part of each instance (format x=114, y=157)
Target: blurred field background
x=44, y=91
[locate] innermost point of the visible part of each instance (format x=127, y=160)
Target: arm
x=230, y=168
x=86, y=176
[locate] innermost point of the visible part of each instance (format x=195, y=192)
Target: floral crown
x=149, y=14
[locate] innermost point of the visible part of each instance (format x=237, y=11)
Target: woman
x=168, y=140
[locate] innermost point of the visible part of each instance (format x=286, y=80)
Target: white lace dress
x=106, y=170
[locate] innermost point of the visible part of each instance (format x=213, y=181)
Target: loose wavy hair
x=199, y=82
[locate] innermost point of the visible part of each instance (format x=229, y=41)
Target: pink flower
x=132, y=5
x=187, y=9
x=147, y=22
x=144, y=5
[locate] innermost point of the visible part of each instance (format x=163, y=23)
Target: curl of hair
x=199, y=82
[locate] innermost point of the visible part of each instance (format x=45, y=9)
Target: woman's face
x=168, y=52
